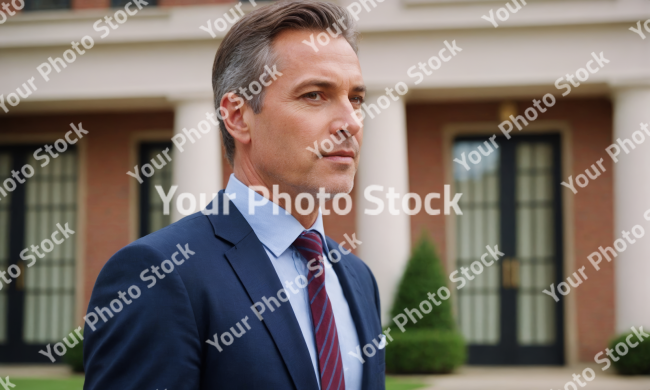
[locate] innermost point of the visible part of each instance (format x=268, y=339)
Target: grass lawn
x=76, y=383
x=393, y=383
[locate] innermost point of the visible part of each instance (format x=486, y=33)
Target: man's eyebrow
x=326, y=84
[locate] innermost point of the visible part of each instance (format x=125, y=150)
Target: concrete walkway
x=35, y=371
x=530, y=378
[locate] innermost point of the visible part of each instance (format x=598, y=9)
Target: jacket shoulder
x=159, y=245
x=182, y=229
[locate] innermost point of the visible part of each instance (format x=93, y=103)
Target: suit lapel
x=256, y=273
x=360, y=308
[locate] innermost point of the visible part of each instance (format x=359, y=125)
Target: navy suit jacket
x=158, y=341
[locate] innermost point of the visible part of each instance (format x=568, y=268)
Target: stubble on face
x=311, y=181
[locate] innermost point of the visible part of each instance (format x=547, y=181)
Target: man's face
x=312, y=101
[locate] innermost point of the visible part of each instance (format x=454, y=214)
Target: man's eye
x=357, y=100
x=312, y=95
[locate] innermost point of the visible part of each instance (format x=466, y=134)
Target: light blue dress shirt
x=277, y=234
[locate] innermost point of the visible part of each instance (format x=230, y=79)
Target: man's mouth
x=340, y=156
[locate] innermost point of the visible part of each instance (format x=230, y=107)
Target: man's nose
x=354, y=122
x=347, y=122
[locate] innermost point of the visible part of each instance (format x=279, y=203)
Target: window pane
x=50, y=282
x=479, y=301
x=152, y=205
x=535, y=243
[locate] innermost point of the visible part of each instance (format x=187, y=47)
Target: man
x=242, y=297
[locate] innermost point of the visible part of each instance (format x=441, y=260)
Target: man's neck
x=252, y=180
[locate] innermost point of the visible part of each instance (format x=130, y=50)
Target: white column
x=386, y=238
x=631, y=200
x=197, y=169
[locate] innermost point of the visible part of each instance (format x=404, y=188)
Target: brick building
x=146, y=79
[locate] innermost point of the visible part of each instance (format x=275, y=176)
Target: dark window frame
x=47, y=5
x=122, y=3
x=145, y=189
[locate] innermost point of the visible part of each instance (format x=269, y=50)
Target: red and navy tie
x=327, y=338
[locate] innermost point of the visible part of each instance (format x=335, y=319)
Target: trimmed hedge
x=637, y=360
x=432, y=344
x=422, y=351
x=424, y=274
x=75, y=356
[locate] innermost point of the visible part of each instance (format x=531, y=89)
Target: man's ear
x=232, y=110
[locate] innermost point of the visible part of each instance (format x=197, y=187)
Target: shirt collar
x=276, y=232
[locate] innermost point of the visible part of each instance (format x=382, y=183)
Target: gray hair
x=248, y=47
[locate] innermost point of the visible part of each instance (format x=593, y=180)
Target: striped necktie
x=327, y=341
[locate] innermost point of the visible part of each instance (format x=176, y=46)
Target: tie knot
x=309, y=245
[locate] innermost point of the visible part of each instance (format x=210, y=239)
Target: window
x=38, y=306
x=152, y=216
x=42, y=5
x=511, y=199
x=122, y=3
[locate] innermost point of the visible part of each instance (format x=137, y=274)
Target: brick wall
x=88, y=4
x=594, y=223
x=591, y=121
x=107, y=224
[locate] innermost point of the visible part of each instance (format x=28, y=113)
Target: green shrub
x=424, y=274
x=75, y=357
x=637, y=360
x=421, y=351
x=432, y=344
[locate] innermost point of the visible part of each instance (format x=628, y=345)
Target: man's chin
x=338, y=185
x=329, y=181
